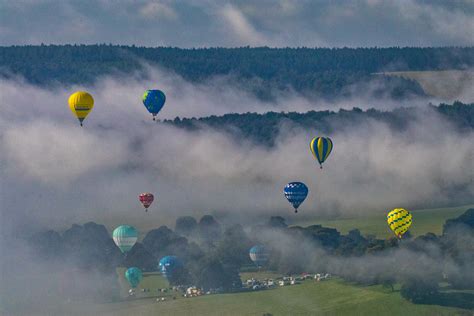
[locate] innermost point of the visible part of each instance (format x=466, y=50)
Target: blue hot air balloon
x=295, y=193
x=259, y=255
x=133, y=276
x=154, y=101
x=168, y=265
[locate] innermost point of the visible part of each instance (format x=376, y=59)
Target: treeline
x=214, y=254
x=319, y=72
x=263, y=129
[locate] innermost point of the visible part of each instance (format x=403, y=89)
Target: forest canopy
x=314, y=72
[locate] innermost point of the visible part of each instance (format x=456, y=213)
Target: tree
x=164, y=242
x=209, y=229
x=464, y=220
x=388, y=283
x=277, y=222
x=418, y=290
x=139, y=257
x=458, y=241
x=90, y=247
x=180, y=276
x=209, y=273
x=157, y=240
x=186, y=225
x=234, y=247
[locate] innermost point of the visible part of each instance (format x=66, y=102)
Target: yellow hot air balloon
x=399, y=220
x=81, y=103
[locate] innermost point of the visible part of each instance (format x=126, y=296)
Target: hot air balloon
x=295, y=193
x=81, y=103
x=399, y=220
x=125, y=237
x=321, y=147
x=133, y=276
x=168, y=265
x=259, y=255
x=146, y=199
x=154, y=101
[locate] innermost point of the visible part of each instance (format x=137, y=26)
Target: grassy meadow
x=424, y=221
x=332, y=297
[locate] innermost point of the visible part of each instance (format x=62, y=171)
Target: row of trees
x=214, y=254
x=263, y=129
x=315, y=72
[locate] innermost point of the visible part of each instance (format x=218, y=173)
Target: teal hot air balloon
x=154, y=101
x=125, y=237
x=259, y=255
x=133, y=276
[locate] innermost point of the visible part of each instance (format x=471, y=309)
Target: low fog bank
x=74, y=272
x=55, y=173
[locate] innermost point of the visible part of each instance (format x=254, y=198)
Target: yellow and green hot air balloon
x=81, y=103
x=321, y=147
x=399, y=220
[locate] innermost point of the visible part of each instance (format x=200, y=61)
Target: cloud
x=152, y=10
x=41, y=154
x=240, y=27
x=239, y=23
x=55, y=173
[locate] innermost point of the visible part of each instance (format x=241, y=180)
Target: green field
x=333, y=297
x=424, y=221
x=445, y=84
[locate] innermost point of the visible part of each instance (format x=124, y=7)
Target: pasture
x=334, y=297
x=424, y=221
x=444, y=84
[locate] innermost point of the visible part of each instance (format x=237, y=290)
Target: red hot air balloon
x=146, y=199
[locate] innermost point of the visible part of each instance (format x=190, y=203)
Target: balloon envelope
x=168, y=265
x=125, y=237
x=321, y=147
x=133, y=276
x=146, y=199
x=399, y=220
x=154, y=101
x=259, y=255
x=81, y=103
x=295, y=193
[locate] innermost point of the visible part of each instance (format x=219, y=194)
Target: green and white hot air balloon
x=125, y=237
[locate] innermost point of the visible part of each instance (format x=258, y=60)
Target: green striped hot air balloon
x=125, y=237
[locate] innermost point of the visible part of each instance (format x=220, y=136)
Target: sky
x=205, y=23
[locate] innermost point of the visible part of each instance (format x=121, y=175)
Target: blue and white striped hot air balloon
x=296, y=193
